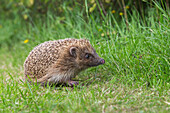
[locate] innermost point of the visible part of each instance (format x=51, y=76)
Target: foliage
x=135, y=77
x=31, y=9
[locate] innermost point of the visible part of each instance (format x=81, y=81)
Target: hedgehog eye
x=87, y=56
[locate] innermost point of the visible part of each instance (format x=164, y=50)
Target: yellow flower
x=120, y=13
x=92, y=8
x=100, y=29
x=92, y=1
x=107, y=1
x=113, y=11
x=102, y=34
x=127, y=7
x=25, y=16
x=31, y=2
x=26, y=41
x=0, y=26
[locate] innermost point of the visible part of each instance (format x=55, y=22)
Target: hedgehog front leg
x=72, y=83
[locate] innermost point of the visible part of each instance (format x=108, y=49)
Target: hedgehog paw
x=72, y=83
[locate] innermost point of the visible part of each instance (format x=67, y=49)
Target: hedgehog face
x=86, y=57
x=92, y=59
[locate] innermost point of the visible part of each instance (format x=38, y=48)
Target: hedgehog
x=57, y=62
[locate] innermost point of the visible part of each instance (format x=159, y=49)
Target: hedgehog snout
x=102, y=61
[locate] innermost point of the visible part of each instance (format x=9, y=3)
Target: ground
x=101, y=93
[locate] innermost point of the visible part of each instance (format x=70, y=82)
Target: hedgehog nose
x=102, y=61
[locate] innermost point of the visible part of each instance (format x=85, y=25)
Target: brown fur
x=59, y=61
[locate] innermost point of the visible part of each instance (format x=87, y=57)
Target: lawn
x=135, y=77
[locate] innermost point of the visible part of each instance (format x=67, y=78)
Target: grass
x=135, y=77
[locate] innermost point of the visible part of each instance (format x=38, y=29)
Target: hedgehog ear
x=73, y=51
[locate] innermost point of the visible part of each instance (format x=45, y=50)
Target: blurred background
x=21, y=14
